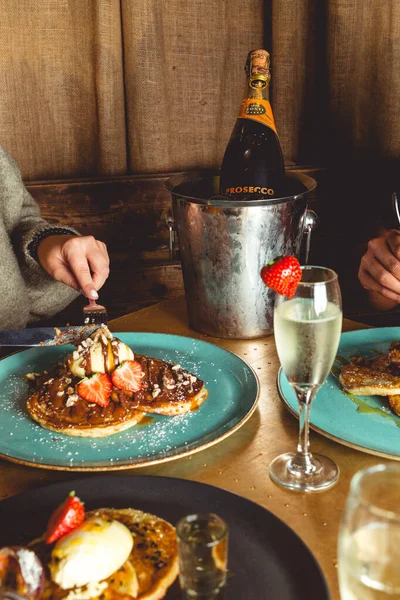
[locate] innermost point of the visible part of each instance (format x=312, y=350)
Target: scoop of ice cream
x=100, y=353
x=90, y=553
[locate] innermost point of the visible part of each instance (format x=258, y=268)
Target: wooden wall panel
x=126, y=213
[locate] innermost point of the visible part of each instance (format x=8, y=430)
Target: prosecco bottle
x=253, y=167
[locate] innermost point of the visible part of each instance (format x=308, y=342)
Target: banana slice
x=105, y=354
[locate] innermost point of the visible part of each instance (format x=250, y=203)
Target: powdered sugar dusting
x=31, y=569
x=163, y=436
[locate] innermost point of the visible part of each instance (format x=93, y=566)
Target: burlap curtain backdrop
x=107, y=87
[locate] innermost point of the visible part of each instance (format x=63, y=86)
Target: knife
x=46, y=336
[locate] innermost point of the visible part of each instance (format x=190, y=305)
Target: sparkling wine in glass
x=369, y=536
x=307, y=331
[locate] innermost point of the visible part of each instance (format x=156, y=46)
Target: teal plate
x=233, y=394
x=366, y=423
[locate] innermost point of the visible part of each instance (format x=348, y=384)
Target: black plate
x=266, y=558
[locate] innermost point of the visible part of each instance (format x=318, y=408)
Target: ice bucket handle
x=168, y=221
x=395, y=205
x=311, y=221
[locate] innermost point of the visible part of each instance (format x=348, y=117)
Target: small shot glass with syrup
x=203, y=555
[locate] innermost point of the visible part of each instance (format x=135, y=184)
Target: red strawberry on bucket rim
x=282, y=275
x=69, y=515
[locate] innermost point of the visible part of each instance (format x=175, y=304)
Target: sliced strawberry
x=96, y=388
x=282, y=275
x=128, y=376
x=65, y=518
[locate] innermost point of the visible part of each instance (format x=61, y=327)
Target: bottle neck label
x=257, y=110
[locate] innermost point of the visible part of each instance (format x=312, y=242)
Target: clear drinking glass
x=369, y=536
x=203, y=554
x=307, y=331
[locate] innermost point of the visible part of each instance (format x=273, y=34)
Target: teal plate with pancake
x=366, y=423
x=233, y=392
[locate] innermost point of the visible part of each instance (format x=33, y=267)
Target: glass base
x=283, y=472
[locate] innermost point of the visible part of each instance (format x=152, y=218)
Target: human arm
x=45, y=296
x=37, y=295
x=379, y=270
x=80, y=262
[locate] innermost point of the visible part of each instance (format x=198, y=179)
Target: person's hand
x=80, y=262
x=379, y=271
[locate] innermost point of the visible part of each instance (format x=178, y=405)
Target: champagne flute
x=307, y=331
x=369, y=536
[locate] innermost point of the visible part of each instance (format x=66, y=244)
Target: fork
x=395, y=206
x=10, y=595
x=94, y=314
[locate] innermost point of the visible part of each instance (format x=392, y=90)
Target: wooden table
x=240, y=462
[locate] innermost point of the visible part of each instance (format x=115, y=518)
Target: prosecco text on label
x=250, y=190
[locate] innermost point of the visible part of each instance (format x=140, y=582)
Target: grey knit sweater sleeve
x=27, y=292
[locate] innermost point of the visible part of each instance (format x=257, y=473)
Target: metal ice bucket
x=224, y=244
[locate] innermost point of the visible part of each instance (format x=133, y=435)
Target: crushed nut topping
x=70, y=390
x=71, y=400
x=168, y=381
x=156, y=392
x=176, y=367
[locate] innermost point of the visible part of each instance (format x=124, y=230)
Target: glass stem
x=303, y=459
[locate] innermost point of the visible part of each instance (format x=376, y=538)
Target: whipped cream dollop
x=101, y=351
